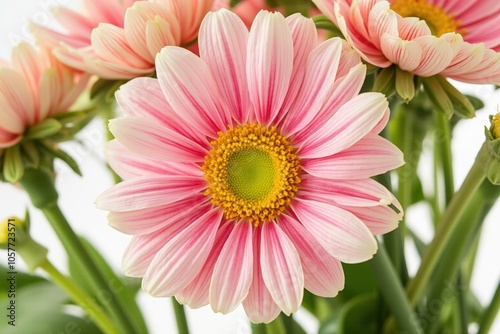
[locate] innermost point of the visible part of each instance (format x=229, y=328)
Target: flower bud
x=489, y=155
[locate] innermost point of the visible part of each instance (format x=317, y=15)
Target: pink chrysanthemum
x=33, y=87
x=120, y=39
x=247, y=169
x=454, y=38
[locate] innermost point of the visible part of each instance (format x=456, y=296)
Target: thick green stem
x=490, y=314
x=447, y=225
x=40, y=187
x=393, y=292
x=81, y=298
x=180, y=317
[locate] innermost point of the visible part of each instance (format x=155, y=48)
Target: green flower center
x=252, y=173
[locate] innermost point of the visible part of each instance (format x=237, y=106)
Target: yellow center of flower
x=436, y=18
x=252, y=173
x=495, y=126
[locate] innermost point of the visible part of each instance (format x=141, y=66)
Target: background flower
x=119, y=40
x=422, y=37
x=286, y=110
x=33, y=87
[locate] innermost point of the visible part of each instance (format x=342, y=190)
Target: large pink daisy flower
x=34, y=86
x=247, y=169
x=454, y=38
x=120, y=39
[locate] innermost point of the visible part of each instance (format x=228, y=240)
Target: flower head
x=120, y=39
x=453, y=38
x=247, y=169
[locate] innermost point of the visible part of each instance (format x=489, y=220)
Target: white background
x=77, y=196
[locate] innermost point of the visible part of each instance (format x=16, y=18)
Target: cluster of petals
x=120, y=39
x=383, y=37
x=33, y=87
x=276, y=74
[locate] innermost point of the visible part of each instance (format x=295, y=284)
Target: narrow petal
x=259, y=304
x=144, y=97
x=160, y=33
x=149, y=191
x=379, y=219
x=196, y=294
x=320, y=74
x=128, y=164
x=233, y=271
x=149, y=220
x=407, y=54
x=281, y=268
x=372, y=155
x=269, y=64
x=182, y=258
x=437, y=54
x=342, y=234
x=149, y=139
x=26, y=60
x=223, y=46
x=15, y=92
x=143, y=248
x=323, y=274
x=191, y=90
x=348, y=125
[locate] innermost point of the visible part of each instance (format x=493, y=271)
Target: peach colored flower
x=33, y=87
x=247, y=169
x=120, y=39
x=454, y=38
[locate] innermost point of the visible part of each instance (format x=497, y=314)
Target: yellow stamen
x=436, y=18
x=252, y=172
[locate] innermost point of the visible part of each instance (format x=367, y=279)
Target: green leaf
x=438, y=96
x=13, y=168
x=31, y=154
x=125, y=292
x=359, y=316
x=359, y=280
x=405, y=86
x=417, y=191
x=57, y=153
x=40, y=308
x=385, y=82
x=22, y=279
x=476, y=102
x=43, y=129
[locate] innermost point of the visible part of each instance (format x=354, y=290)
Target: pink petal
x=144, y=97
x=437, y=54
x=190, y=14
x=304, y=37
x=191, y=90
x=259, y=304
x=26, y=60
x=349, y=124
x=362, y=192
x=149, y=220
x=182, y=258
x=143, y=248
x=196, y=294
x=160, y=33
x=223, y=46
x=8, y=139
x=233, y=271
x=407, y=54
x=128, y=164
x=281, y=269
x=149, y=139
x=372, y=155
x=269, y=64
x=379, y=219
x=15, y=93
x=319, y=78
x=149, y=191
x=342, y=234
x=110, y=44
x=323, y=274
x=344, y=89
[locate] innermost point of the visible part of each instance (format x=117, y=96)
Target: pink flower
x=453, y=38
x=34, y=87
x=247, y=169
x=120, y=39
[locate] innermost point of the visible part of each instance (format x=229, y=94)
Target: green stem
x=444, y=141
x=75, y=249
x=81, y=298
x=393, y=292
x=288, y=323
x=490, y=314
x=258, y=328
x=446, y=227
x=180, y=317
